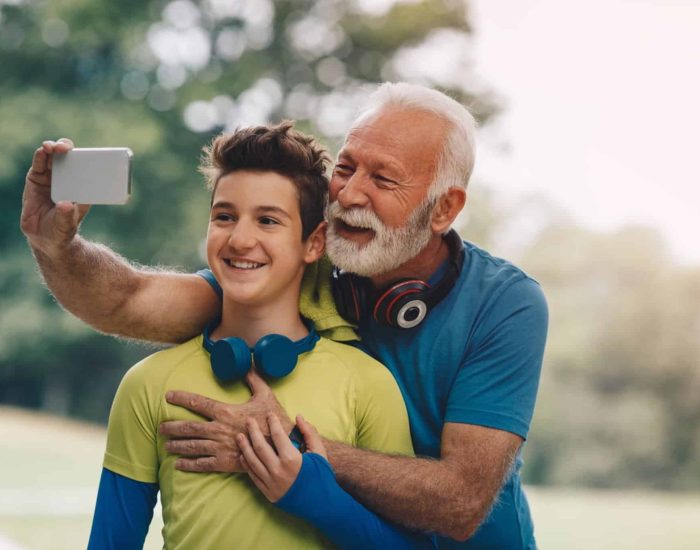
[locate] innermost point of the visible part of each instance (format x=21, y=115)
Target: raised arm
x=96, y=284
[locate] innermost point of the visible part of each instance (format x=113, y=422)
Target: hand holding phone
x=92, y=176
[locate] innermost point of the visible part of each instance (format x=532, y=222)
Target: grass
x=51, y=468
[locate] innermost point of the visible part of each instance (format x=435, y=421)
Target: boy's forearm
x=316, y=497
x=110, y=294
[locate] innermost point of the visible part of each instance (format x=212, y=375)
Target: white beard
x=389, y=248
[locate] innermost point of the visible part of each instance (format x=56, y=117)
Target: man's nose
x=353, y=191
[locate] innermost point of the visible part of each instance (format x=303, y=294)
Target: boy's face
x=254, y=245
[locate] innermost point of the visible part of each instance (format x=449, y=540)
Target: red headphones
x=405, y=303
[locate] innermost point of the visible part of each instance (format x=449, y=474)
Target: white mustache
x=357, y=217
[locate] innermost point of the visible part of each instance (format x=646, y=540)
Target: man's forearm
x=113, y=296
x=419, y=493
x=89, y=280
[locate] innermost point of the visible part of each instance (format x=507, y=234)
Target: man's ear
x=315, y=244
x=449, y=205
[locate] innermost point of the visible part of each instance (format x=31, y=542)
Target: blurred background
x=587, y=176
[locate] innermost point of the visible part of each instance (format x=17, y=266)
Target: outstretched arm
x=96, y=284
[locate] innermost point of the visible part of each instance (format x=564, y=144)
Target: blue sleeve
x=496, y=385
x=316, y=497
x=208, y=276
x=123, y=512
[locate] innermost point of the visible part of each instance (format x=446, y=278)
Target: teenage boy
x=266, y=225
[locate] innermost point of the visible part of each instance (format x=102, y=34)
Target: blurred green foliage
x=617, y=405
x=162, y=78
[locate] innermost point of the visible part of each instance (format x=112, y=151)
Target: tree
x=162, y=78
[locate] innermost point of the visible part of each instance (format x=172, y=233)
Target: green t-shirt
x=346, y=394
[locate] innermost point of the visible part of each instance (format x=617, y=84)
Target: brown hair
x=280, y=149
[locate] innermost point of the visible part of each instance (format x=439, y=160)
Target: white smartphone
x=92, y=176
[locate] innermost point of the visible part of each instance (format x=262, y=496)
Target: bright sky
x=602, y=109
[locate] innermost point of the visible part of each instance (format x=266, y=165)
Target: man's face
x=378, y=214
x=254, y=245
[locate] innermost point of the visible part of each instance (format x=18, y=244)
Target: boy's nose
x=241, y=237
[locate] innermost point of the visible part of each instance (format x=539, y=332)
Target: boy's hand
x=274, y=468
x=48, y=226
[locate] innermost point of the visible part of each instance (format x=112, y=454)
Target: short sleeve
x=208, y=276
x=133, y=427
x=380, y=415
x=496, y=385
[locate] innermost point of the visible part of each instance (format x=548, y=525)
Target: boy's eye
x=223, y=216
x=266, y=220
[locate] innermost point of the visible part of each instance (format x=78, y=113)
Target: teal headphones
x=274, y=355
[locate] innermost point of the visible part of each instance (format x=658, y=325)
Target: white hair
x=456, y=161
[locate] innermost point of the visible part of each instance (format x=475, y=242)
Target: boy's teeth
x=245, y=265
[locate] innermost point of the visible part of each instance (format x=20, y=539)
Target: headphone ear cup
x=230, y=359
x=349, y=294
x=275, y=355
x=402, y=305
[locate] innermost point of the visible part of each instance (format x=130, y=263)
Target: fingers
x=253, y=463
x=259, y=483
x=262, y=448
x=39, y=172
x=196, y=403
x=256, y=383
x=190, y=429
x=40, y=163
x=275, y=473
x=313, y=440
x=66, y=219
x=225, y=464
x=63, y=145
x=192, y=447
x=280, y=437
x=203, y=464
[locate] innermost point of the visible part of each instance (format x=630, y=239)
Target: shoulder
x=156, y=368
x=495, y=270
x=497, y=281
x=367, y=374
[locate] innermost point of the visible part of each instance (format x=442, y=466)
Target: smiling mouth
x=238, y=264
x=344, y=227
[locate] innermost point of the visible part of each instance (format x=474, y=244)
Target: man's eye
x=344, y=168
x=383, y=179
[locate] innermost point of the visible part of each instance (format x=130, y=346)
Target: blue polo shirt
x=475, y=359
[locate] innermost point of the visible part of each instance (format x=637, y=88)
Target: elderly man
x=462, y=332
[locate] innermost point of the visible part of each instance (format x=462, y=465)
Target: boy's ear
x=315, y=244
